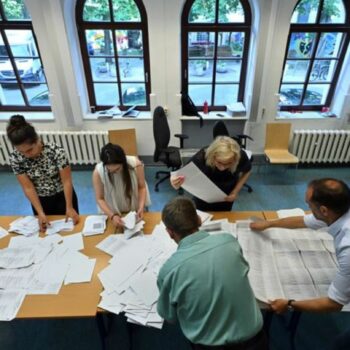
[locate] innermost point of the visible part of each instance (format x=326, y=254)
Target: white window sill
x=30, y=116
x=142, y=116
x=303, y=115
x=218, y=115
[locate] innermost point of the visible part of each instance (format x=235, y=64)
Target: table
x=81, y=299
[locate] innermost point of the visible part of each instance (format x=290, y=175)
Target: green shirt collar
x=192, y=238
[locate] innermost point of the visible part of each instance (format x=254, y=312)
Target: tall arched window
x=22, y=81
x=215, y=42
x=317, y=43
x=114, y=44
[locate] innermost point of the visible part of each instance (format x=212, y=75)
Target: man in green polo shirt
x=204, y=285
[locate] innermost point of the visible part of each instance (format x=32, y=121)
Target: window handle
x=146, y=77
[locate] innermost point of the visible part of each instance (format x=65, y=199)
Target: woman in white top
x=119, y=183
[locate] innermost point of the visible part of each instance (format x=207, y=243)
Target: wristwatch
x=289, y=305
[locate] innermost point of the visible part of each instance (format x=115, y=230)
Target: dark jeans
x=219, y=206
x=56, y=204
x=258, y=342
x=342, y=341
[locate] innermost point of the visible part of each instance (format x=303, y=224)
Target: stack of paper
x=130, y=280
x=285, y=213
x=131, y=226
x=27, y=226
x=94, y=225
x=34, y=265
x=60, y=225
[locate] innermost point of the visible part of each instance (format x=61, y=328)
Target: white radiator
x=322, y=146
x=82, y=147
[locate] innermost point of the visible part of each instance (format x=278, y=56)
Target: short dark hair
x=331, y=193
x=180, y=215
x=19, y=131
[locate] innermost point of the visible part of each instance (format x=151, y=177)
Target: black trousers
x=56, y=204
x=218, y=206
x=258, y=342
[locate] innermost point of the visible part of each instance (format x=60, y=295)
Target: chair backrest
x=277, y=136
x=220, y=129
x=125, y=138
x=161, y=131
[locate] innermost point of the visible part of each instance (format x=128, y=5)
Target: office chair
x=220, y=129
x=168, y=155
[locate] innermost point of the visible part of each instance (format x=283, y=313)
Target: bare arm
x=291, y=222
x=312, y=305
x=100, y=199
x=241, y=181
x=30, y=192
x=66, y=178
x=141, y=186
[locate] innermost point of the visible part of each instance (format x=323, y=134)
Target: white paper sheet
x=10, y=303
x=74, y=241
x=130, y=220
x=199, y=185
x=146, y=287
x=60, y=225
x=285, y=213
x=3, y=232
x=94, y=225
x=80, y=273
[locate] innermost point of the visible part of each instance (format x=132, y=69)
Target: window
x=215, y=42
x=22, y=80
x=318, y=39
x=114, y=44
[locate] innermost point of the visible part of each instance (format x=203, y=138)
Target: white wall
x=55, y=29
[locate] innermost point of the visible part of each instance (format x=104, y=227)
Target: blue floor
x=274, y=188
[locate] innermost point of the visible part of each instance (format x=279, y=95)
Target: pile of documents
x=60, y=225
x=285, y=263
x=130, y=280
x=34, y=265
x=94, y=225
x=27, y=226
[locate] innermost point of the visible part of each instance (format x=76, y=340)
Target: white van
x=26, y=56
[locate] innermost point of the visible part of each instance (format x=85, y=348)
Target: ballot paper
x=199, y=185
x=60, y=225
x=10, y=302
x=285, y=213
x=94, y=225
x=130, y=220
x=3, y=232
x=130, y=280
x=204, y=216
x=128, y=233
x=74, y=241
x=27, y=226
x=81, y=272
x=12, y=258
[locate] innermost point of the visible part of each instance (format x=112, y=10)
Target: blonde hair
x=223, y=148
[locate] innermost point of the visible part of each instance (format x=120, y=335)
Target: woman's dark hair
x=114, y=154
x=19, y=131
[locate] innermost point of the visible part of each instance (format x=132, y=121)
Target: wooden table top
x=81, y=299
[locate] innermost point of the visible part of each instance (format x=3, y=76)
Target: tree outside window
x=23, y=84
x=215, y=41
x=114, y=45
x=318, y=39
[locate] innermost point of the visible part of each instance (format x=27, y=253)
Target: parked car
x=41, y=99
x=134, y=95
x=292, y=96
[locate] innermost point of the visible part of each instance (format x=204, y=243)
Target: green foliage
x=15, y=9
x=123, y=10
x=330, y=7
x=206, y=9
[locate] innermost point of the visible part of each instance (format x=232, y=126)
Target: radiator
x=322, y=146
x=82, y=147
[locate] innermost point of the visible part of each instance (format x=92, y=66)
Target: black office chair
x=220, y=129
x=169, y=155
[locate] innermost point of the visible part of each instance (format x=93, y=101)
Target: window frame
x=319, y=29
x=113, y=26
x=215, y=27
x=6, y=24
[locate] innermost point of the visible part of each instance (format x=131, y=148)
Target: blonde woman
x=225, y=164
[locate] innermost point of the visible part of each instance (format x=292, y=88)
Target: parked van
x=26, y=56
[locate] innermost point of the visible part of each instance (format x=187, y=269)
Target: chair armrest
x=182, y=137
